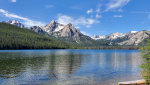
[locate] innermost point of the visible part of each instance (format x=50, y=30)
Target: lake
x=68, y=67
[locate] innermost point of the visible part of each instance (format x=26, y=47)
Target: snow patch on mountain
x=15, y=22
x=112, y=36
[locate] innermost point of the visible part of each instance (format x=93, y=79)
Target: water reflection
x=65, y=67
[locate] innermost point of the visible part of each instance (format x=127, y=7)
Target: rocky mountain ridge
x=112, y=36
x=130, y=38
x=135, y=38
x=53, y=26
x=71, y=34
x=14, y=22
x=67, y=32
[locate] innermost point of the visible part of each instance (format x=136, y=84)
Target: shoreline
x=86, y=48
x=136, y=82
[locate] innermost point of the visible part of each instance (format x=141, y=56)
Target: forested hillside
x=13, y=37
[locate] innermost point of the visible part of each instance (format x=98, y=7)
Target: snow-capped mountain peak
x=53, y=26
x=15, y=22
x=110, y=36
x=115, y=35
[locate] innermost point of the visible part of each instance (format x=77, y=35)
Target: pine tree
x=145, y=53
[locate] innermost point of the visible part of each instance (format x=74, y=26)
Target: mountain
x=15, y=22
x=115, y=35
x=13, y=37
x=37, y=29
x=112, y=36
x=53, y=26
x=66, y=33
x=98, y=37
x=69, y=32
x=133, y=38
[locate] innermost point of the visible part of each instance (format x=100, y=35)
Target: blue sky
x=92, y=17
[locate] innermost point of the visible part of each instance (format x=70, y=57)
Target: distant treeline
x=112, y=47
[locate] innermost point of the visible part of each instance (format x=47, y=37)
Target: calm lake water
x=68, y=67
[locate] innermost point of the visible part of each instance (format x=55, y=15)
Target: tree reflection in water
x=65, y=67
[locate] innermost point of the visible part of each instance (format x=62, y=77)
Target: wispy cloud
x=98, y=10
x=98, y=16
x=83, y=32
x=13, y=0
x=114, y=4
x=49, y=6
x=94, y=13
x=118, y=16
x=26, y=21
x=141, y=12
x=81, y=21
x=89, y=11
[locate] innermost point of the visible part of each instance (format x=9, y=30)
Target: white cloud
x=87, y=22
x=77, y=27
x=94, y=13
x=13, y=0
x=89, y=11
x=113, y=4
x=98, y=10
x=26, y=21
x=118, y=16
x=98, y=16
x=64, y=19
x=83, y=32
x=49, y=6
